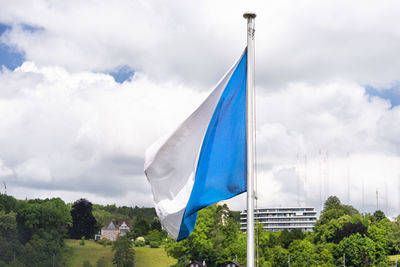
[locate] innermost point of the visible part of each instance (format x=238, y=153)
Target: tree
x=83, y=221
x=302, y=253
x=124, y=255
x=333, y=202
x=359, y=250
x=348, y=229
x=8, y=236
x=379, y=215
x=212, y=240
x=141, y=228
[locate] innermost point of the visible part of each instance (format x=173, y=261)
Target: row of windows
x=105, y=232
x=286, y=215
x=288, y=224
x=282, y=210
x=286, y=219
x=284, y=224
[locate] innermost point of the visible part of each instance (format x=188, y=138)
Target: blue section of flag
x=221, y=168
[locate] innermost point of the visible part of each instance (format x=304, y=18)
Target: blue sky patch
x=4, y=28
x=10, y=57
x=30, y=28
x=122, y=73
x=392, y=94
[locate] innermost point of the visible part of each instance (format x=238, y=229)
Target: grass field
x=154, y=257
x=90, y=251
x=393, y=258
x=145, y=256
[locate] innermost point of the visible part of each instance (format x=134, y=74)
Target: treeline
x=341, y=234
x=32, y=231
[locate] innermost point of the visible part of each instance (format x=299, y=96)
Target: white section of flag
x=170, y=163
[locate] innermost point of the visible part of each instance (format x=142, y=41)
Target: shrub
x=139, y=243
x=82, y=243
x=154, y=244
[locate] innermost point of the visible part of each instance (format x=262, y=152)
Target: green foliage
x=83, y=221
x=154, y=244
x=124, y=255
x=333, y=209
x=393, y=235
x=82, y=243
x=359, y=250
x=32, y=231
x=212, y=240
x=141, y=228
x=7, y=203
x=8, y=236
x=303, y=253
x=139, y=243
x=379, y=215
x=102, y=262
x=287, y=237
x=153, y=236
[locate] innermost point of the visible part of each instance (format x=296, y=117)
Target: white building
x=279, y=219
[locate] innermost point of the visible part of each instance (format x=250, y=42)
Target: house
x=115, y=228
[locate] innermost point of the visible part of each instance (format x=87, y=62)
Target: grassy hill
x=155, y=257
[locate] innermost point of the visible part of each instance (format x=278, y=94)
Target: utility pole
x=344, y=260
x=288, y=261
x=377, y=202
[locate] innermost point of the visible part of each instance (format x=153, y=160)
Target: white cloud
x=303, y=41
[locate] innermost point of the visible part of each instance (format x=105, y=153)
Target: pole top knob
x=248, y=15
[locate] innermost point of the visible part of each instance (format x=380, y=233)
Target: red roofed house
x=116, y=227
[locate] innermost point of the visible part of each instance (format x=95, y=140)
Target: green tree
x=124, y=255
x=379, y=215
x=215, y=239
x=393, y=235
x=8, y=236
x=83, y=221
x=333, y=209
x=153, y=236
x=141, y=228
x=302, y=253
x=359, y=250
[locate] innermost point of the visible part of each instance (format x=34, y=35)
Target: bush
x=82, y=243
x=139, y=243
x=154, y=244
x=101, y=262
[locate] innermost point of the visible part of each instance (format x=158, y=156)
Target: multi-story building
x=279, y=219
x=115, y=228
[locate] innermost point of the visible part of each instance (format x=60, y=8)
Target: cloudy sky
x=87, y=86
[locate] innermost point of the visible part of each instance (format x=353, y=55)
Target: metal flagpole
x=250, y=131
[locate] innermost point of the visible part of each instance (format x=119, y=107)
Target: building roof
x=114, y=224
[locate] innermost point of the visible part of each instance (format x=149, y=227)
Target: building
x=115, y=228
x=279, y=219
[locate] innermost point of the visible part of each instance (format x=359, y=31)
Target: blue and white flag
x=204, y=160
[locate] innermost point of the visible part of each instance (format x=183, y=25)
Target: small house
x=115, y=228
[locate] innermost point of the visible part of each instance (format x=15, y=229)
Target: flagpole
x=250, y=131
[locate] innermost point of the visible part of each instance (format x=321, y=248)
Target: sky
x=87, y=86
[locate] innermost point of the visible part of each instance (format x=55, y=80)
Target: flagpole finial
x=249, y=14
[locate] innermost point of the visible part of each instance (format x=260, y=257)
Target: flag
x=204, y=160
